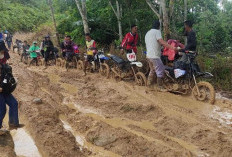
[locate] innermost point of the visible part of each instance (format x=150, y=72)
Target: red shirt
x=6, y=57
x=130, y=42
x=171, y=53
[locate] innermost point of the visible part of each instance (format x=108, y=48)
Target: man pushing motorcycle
x=91, y=51
x=153, y=40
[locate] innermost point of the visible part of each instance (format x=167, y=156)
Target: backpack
x=8, y=82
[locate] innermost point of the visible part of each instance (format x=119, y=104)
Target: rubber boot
x=160, y=85
x=93, y=67
x=150, y=81
x=84, y=68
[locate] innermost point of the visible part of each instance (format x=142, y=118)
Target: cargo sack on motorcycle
x=178, y=73
x=8, y=82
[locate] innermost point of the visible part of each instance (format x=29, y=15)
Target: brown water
x=24, y=145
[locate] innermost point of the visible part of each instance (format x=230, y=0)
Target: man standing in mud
x=153, y=40
x=7, y=98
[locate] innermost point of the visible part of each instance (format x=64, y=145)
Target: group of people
x=7, y=37
x=69, y=49
x=154, y=41
x=45, y=49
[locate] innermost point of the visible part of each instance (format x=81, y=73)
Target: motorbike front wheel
x=140, y=79
x=146, y=68
x=59, y=62
x=80, y=65
x=206, y=92
x=105, y=70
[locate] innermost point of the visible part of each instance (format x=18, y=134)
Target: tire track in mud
x=140, y=124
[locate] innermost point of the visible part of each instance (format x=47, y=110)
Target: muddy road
x=98, y=117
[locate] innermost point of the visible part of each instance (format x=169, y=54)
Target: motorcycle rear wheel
x=207, y=92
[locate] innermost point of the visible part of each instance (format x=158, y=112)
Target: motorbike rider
x=17, y=45
x=33, y=52
x=47, y=47
x=153, y=40
x=25, y=49
x=91, y=51
x=9, y=39
x=191, y=41
x=68, y=48
x=130, y=41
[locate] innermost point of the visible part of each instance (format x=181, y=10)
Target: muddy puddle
x=68, y=87
x=24, y=145
x=224, y=117
x=80, y=139
x=54, y=78
x=219, y=96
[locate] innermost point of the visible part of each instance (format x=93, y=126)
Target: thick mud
x=94, y=116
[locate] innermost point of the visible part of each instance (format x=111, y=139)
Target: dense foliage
x=22, y=15
x=212, y=23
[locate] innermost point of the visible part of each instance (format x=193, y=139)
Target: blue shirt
x=1, y=36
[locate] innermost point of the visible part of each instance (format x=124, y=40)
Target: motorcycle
x=127, y=69
x=100, y=63
x=31, y=61
x=52, y=56
x=25, y=57
x=184, y=80
x=72, y=62
x=97, y=64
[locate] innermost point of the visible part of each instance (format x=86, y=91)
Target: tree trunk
x=163, y=15
x=160, y=19
x=82, y=10
x=153, y=8
x=54, y=21
x=185, y=9
x=185, y=16
x=165, y=20
x=120, y=30
x=118, y=14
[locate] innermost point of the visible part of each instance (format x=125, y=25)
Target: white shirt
x=152, y=45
